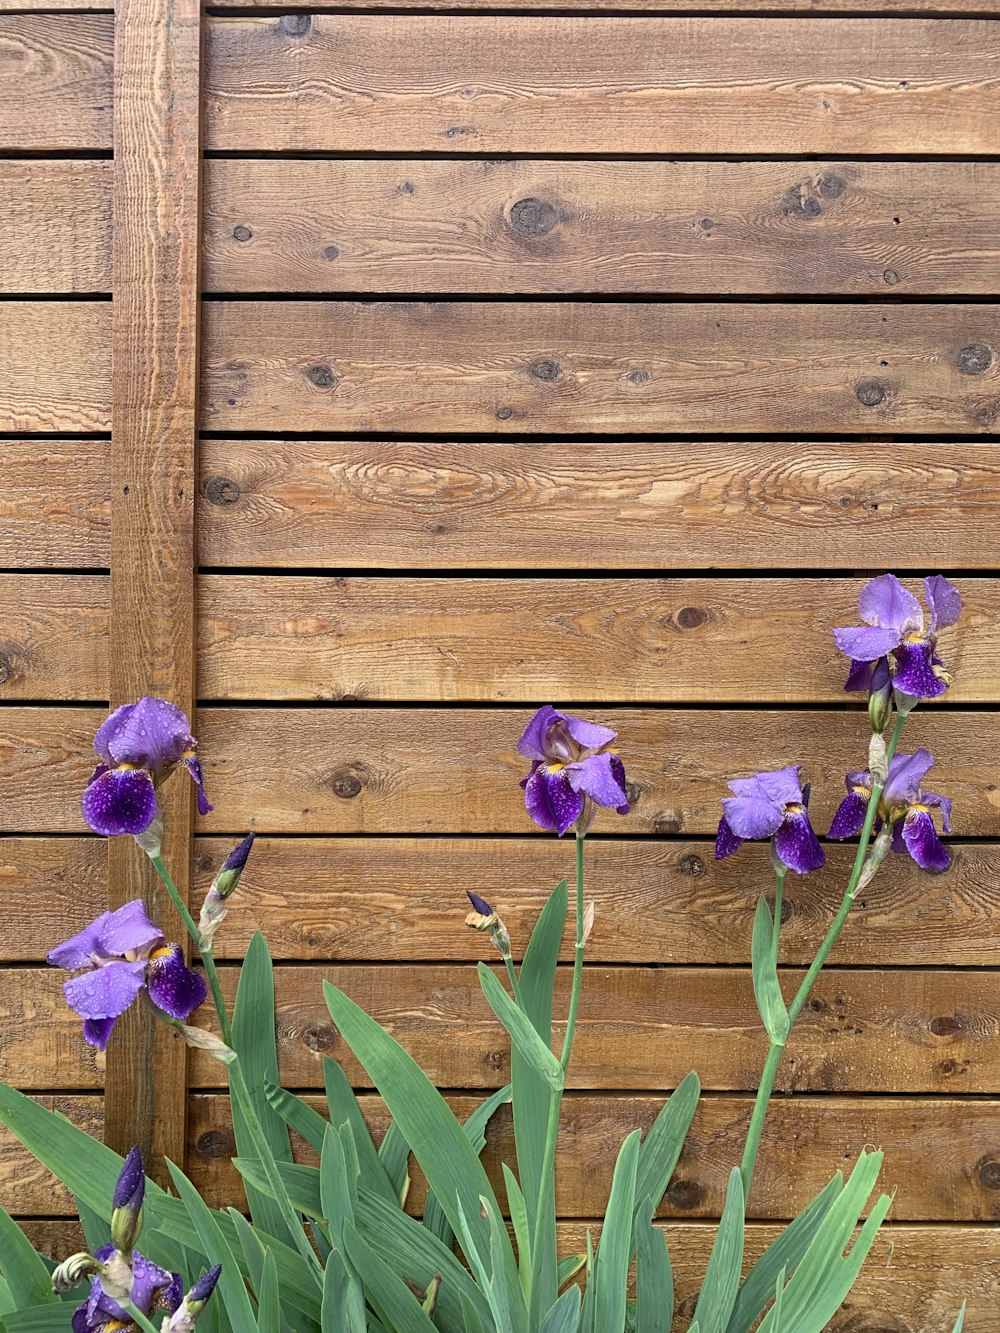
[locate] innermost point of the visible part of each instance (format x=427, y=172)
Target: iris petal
x=859, y=678
x=127, y=930
x=97, y=1031
x=78, y=951
x=752, y=816
x=172, y=985
x=866, y=645
x=588, y=735
x=942, y=803
x=532, y=742
x=885, y=602
x=107, y=991
x=595, y=776
x=782, y=784
x=797, y=846
x=551, y=801
x=150, y=734
x=915, y=672
x=923, y=843
x=193, y=766
x=850, y=817
x=120, y=802
x=726, y=841
x=944, y=600
x=906, y=772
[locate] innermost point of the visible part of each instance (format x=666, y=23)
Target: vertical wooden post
x=156, y=217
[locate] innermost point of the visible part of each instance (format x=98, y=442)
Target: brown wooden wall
x=581, y=356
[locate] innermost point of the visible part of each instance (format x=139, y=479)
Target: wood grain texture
x=26, y=1186
x=53, y=636
x=55, y=503
x=905, y=8
x=55, y=81
x=153, y=470
x=942, y=1157
x=550, y=85
x=701, y=640
x=57, y=366
x=906, y=1031
x=56, y=235
x=625, y=505
x=699, y=228
x=53, y=888
x=46, y=759
x=532, y=368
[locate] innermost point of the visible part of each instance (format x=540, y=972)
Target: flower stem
x=205, y=955
x=515, y=985
x=779, y=886
x=137, y=1317
x=774, y=1054
x=574, y=999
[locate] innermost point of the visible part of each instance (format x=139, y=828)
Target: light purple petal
x=850, y=817
x=173, y=986
x=797, y=846
x=753, y=816
x=78, y=950
x=152, y=734
x=866, y=645
x=923, y=843
x=884, y=601
x=915, y=672
x=942, y=803
x=107, y=991
x=551, y=801
x=193, y=766
x=127, y=929
x=782, y=784
x=532, y=742
x=120, y=802
x=726, y=841
x=906, y=772
x=588, y=735
x=97, y=1031
x=944, y=600
x=151, y=1289
x=595, y=775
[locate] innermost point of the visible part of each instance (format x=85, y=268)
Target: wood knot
x=690, y=617
x=988, y=1173
x=667, y=823
x=830, y=185
x=242, y=233
x=504, y=413
x=637, y=378
x=546, y=371
x=205, y=864
x=891, y=276
x=331, y=252
x=346, y=784
x=321, y=1038
x=222, y=491
x=322, y=376
x=870, y=393
x=948, y=1025
x=216, y=1143
x=495, y=1060
x=295, y=25
x=6, y=668
x=685, y=1194
x=975, y=359
x=533, y=217
x=692, y=865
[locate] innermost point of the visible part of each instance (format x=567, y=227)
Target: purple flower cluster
x=902, y=805
x=771, y=805
x=571, y=763
x=154, y=1289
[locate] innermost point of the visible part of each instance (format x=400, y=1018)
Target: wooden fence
x=577, y=356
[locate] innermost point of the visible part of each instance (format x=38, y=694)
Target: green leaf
x=722, y=1276
x=231, y=1290
x=269, y=1308
x=337, y=1192
x=519, y=1225
x=779, y=1291
x=51, y=1318
x=569, y=1267
x=654, y=1279
x=521, y=1030
x=489, y=1269
x=564, y=1316
x=783, y=1254
x=297, y=1115
x=96, y=1230
x=663, y=1144
x=394, y=1156
x=608, y=1290
x=960, y=1321
x=254, y=1042
x=388, y=1294
x=302, y=1183
x=451, y=1165
x=766, y=988
x=344, y=1109
x=475, y=1132
x=343, y=1296
x=26, y=1275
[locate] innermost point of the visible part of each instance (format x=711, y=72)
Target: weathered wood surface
x=530, y=368
x=696, y=228
x=355, y=899
x=154, y=337
x=549, y=85
x=55, y=81
x=53, y=636
x=891, y=1031
x=56, y=235
x=56, y=358
x=906, y=8
x=625, y=505
x=942, y=1157
x=55, y=503
x=700, y=640
x=456, y=770
x=26, y=1187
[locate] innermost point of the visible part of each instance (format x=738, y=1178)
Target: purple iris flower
x=138, y=746
x=117, y=956
x=771, y=805
x=570, y=763
x=154, y=1289
x=894, y=626
x=902, y=805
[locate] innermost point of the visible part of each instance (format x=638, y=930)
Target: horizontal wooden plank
x=712, y=640
x=941, y=1156
x=891, y=1031
x=319, y=900
x=57, y=366
x=53, y=636
x=530, y=368
x=55, y=81
x=555, y=84
x=26, y=1186
x=390, y=770
x=57, y=226
x=696, y=228
x=55, y=503
x=623, y=506
x=905, y=8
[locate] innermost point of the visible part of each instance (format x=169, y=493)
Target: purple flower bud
x=183, y=1321
x=480, y=904
x=205, y=1285
x=126, y=1216
x=233, y=866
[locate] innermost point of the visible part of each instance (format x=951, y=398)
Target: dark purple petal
x=238, y=857
x=173, y=1293
x=850, y=816
x=532, y=742
x=98, y=772
x=906, y=773
x=97, y=1031
x=173, y=986
x=923, y=843
x=753, y=816
x=595, y=776
x=885, y=602
x=618, y=773
x=128, y=929
x=942, y=803
x=78, y=950
x=480, y=904
x=152, y=734
x=797, y=846
x=131, y=1185
x=205, y=1285
x=193, y=766
x=915, y=672
x=107, y=991
x=859, y=678
x=866, y=645
x=551, y=801
x=782, y=784
x=152, y=1286
x=944, y=600
x=81, y=1323
x=898, y=845
x=120, y=802
x=726, y=841
x=588, y=735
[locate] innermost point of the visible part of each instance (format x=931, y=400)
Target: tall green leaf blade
x=343, y=1298
x=564, y=1316
x=519, y=1225
x=654, y=1279
x=25, y=1273
x=394, y=1157
x=960, y=1321
x=722, y=1276
x=297, y=1115
x=344, y=1109
x=521, y=1030
x=269, y=1307
x=50, y=1318
x=608, y=1290
x=334, y=1186
x=387, y=1293
x=475, y=1132
x=663, y=1144
x=766, y=988
x=231, y=1290
x=302, y=1183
